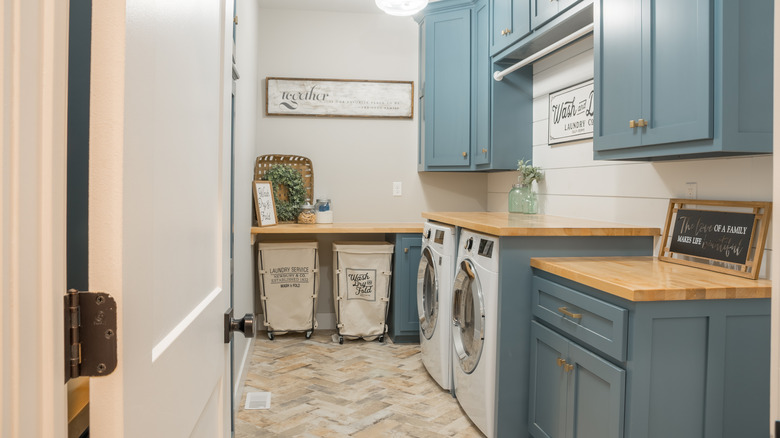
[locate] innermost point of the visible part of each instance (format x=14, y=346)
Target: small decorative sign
x=339, y=98
x=726, y=236
x=361, y=284
x=571, y=113
x=264, y=203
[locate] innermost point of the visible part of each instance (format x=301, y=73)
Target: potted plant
x=522, y=198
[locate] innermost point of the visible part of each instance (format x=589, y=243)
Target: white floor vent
x=258, y=400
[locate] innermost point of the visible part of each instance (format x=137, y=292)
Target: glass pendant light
x=402, y=7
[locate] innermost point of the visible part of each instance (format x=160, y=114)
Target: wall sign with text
x=339, y=98
x=571, y=113
x=723, y=236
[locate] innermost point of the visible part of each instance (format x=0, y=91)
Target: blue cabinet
x=682, y=79
x=403, y=320
x=479, y=126
x=573, y=392
x=674, y=369
x=510, y=23
x=543, y=11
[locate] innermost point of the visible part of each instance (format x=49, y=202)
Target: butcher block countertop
x=514, y=224
x=340, y=228
x=648, y=279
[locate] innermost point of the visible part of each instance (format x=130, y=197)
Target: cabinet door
x=676, y=70
x=547, y=396
x=448, y=89
x=542, y=11
x=481, y=86
x=596, y=396
x=617, y=72
x=510, y=21
x=403, y=318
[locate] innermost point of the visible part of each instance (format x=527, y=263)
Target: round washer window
x=468, y=310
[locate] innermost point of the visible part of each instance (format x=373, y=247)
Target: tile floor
x=358, y=389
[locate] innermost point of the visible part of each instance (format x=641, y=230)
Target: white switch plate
x=690, y=190
x=397, y=188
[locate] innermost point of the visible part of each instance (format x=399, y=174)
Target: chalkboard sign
x=729, y=240
x=264, y=203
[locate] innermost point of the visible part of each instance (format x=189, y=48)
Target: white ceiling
x=357, y=6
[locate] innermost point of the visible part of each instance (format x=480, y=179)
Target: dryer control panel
x=485, y=248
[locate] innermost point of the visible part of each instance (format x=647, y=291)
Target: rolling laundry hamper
x=361, y=288
x=289, y=283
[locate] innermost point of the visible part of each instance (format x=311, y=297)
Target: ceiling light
x=401, y=7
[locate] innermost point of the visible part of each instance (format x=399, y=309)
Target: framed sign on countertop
x=571, y=113
x=265, y=208
x=722, y=236
x=339, y=98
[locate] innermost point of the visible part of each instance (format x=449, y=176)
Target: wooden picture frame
x=721, y=236
x=265, y=207
x=339, y=98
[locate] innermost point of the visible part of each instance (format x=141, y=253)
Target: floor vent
x=258, y=400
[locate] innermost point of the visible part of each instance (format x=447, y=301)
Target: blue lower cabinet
x=697, y=368
x=403, y=321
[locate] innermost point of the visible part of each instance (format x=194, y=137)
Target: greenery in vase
x=528, y=173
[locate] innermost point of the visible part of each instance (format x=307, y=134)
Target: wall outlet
x=397, y=188
x=690, y=190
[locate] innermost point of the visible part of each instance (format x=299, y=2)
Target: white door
x=159, y=213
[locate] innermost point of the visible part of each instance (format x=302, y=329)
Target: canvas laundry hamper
x=289, y=283
x=361, y=288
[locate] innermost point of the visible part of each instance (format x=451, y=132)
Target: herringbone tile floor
x=358, y=389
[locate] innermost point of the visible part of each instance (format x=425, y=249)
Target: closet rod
x=544, y=52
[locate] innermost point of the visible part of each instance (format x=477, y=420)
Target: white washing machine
x=434, y=300
x=474, y=331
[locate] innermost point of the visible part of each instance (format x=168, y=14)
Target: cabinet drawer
x=595, y=322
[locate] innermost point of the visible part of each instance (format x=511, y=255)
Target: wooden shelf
x=339, y=228
x=648, y=279
x=514, y=224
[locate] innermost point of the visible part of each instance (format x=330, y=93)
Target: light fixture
x=402, y=7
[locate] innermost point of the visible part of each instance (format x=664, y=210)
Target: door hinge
x=90, y=334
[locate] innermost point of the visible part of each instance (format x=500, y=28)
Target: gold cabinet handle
x=484, y=150
x=503, y=32
x=566, y=312
x=631, y=124
x=406, y=250
x=235, y=20
x=508, y=31
x=568, y=367
x=642, y=123
x=465, y=155
x=561, y=362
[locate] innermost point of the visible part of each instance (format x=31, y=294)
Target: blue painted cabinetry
x=543, y=11
x=682, y=79
x=607, y=367
x=510, y=22
x=469, y=122
x=403, y=320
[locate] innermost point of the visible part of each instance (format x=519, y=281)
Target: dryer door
x=427, y=293
x=468, y=310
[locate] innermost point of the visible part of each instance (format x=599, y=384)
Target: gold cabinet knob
x=508, y=31
x=561, y=361
x=235, y=20
x=642, y=123
x=503, y=32
x=465, y=155
x=568, y=367
x=484, y=150
x=631, y=124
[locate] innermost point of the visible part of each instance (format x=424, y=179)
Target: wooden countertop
x=514, y=224
x=648, y=279
x=339, y=228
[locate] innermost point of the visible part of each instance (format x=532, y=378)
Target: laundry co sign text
x=571, y=113
x=339, y=98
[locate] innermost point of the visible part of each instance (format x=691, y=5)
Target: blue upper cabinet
x=543, y=11
x=447, y=96
x=682, y=79
x=510, y=22
x=482, y=82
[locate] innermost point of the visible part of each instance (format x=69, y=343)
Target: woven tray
x=297, y=162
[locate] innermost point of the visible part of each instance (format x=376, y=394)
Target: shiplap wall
x=627, y=192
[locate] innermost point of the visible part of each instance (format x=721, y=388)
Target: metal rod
x=499, y=75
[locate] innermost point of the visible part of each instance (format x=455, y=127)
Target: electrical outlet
x=397, y=188
x=690, y=190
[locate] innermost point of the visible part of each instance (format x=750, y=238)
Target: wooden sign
x=571, y=113
x=338, y=98
x=722, y=236
x=264, y=203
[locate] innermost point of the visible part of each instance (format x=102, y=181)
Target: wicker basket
x=301, y=164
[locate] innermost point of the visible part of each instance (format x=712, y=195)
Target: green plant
x=528, y=173
x=285, y=176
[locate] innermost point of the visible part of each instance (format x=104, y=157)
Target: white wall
x=355, y=160
x=627, y=192
x=245, y=138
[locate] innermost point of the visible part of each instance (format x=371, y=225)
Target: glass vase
x=522, y=199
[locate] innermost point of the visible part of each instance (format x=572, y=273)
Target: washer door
x=468, y=317
x=427, y=293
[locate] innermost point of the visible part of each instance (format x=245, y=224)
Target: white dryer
x=474, y=332
x=434, y=300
